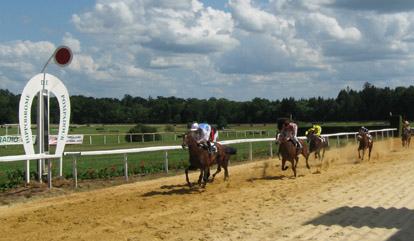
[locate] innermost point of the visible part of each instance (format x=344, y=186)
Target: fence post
x=130, y=138
x=90, y=140
x=75, y=172
x=49, y=173
x=251, y=152
x=104, y=139
x=347, y=139
x=60, y=167
x=126, y=166
x=337, y=137
x=271, y=149
x=166, y=161
x=27, y=171
x=153, y=137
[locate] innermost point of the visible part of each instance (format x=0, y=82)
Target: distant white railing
x=167, y=148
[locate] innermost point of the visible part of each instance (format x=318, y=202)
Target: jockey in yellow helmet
x=316, y=129
x=406, y=124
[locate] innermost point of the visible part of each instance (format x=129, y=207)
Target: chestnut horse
x=201, y=159
x=290, y=153
x=406, y=137
x=316, y=145
x=364, y=144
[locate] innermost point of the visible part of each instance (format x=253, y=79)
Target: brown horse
x=201, y=159
x=316, y=145
x=290, y=153
x=406, y=137
x=364, y=143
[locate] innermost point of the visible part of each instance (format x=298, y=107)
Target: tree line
x=370, y=103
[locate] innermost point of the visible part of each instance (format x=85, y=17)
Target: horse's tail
x=230, y=150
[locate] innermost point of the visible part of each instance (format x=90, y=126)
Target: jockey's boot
x=298, y=145
x=210, y=148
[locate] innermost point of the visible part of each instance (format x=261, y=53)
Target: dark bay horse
x=316, y=145
x=201, y=159
x=364, y=144
x=290, y=153
x=406, y=137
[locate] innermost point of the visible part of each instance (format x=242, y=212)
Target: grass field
x=112, y=137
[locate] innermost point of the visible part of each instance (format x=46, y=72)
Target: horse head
x=280, y=137
x=310, y=135
x=188, y=138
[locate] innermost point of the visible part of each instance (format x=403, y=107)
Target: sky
x=235, y=49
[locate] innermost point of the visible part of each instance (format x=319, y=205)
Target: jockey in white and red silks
x=290, y=131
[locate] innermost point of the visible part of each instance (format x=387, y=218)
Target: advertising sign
x=13, y=140
x=71, y=140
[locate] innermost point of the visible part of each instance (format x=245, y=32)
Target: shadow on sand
x=402, y=219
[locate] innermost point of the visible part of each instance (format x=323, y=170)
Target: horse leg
x=186, y=177
x=307, y=162
x=200, y=177
x=217, y=171
x=283, y=165
x=206, y=170
x=225, y=165
x=296, y=160
x=323, y=154
x=294, y=165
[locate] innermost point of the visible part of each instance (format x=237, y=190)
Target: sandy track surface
x=370, y=200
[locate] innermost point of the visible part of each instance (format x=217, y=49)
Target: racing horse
x=316, y=145
x=364, y=144
x=406, y=137
x=201, y=159
x=289, y=152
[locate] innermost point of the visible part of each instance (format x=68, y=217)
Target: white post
x=118, y=138
x=166, y=161
x=49, y=173
x=27, y=171
x=60, y=167
x=90, y=140
x=104, y=139
x=337, y=137
x=75, y=172
x=251, y=152
x=126, y=166
x=271, y=149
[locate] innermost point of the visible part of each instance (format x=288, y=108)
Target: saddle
x=212, y=150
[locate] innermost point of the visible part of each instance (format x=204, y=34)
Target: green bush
x=140, y=128
x=169, y=128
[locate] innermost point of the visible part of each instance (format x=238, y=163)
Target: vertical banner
x=36, y=84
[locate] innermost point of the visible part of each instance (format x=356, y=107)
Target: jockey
x=290, y=131
x=317, y=130
x=204, y=135
x=366, y=131
x=406, y=124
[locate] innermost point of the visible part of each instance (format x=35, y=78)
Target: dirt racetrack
x=369, y=200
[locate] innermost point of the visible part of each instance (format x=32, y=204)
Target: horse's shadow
x=172, y=189
x=266, y=178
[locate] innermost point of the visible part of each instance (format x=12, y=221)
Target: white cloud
x=253, y=19
x=72, y=43
x=328, y=25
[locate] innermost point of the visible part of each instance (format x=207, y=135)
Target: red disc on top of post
x=63, y=56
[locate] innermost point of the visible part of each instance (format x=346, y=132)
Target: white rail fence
x=383, y=133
